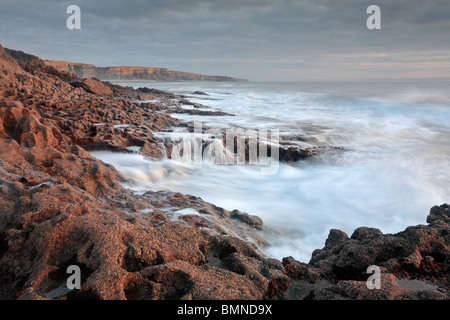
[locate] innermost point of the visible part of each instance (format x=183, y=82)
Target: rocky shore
x=59, y=206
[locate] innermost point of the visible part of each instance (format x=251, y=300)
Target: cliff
x=132, y=73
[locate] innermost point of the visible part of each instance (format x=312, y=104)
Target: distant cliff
x=132, y=73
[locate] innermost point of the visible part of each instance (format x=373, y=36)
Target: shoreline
x=61, y=206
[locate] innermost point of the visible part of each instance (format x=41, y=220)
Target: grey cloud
x=314, y=39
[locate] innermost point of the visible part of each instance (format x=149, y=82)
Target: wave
x=397, y=163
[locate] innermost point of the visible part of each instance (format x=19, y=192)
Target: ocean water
x=395, y=165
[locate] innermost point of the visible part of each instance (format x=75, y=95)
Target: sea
x=394, y=164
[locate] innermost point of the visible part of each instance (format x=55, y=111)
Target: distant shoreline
x=83, y=70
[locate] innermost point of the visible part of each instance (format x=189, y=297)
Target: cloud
x=313, y=39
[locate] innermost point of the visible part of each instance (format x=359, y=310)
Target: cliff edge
x=132, y=73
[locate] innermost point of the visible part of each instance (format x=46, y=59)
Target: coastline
x=61, y=206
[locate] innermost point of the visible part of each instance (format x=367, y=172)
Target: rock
x=440, y=214
x=335, y=238
x=366, y=234
x=293, y=154
x=93, y=86
x=358, y=290
x=200, y=93
x=156, y=92
x=251, y=220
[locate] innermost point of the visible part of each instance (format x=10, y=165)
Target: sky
x=259, y=40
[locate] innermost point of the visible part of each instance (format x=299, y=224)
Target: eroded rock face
x=62, y=207
x=59, y=206
x=131, y=73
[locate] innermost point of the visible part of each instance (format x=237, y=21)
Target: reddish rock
x=93, y=86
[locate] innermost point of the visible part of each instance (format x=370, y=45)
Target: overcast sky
x=259, y=40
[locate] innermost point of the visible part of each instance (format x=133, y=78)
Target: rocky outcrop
x=414, y=263
x=132, y=73
x=60, y=206
x=93, y=86
x=33, y=64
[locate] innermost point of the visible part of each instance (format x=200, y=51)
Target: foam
x=396, y=168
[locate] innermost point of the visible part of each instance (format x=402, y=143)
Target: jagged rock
x=200, y=93
x=93, y=86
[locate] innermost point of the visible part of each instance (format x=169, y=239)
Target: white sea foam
x=397, y=163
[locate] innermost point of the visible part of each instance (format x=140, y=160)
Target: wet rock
x=200, y=93
x=358, y=290
x=251, y=220
x=419, y=252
